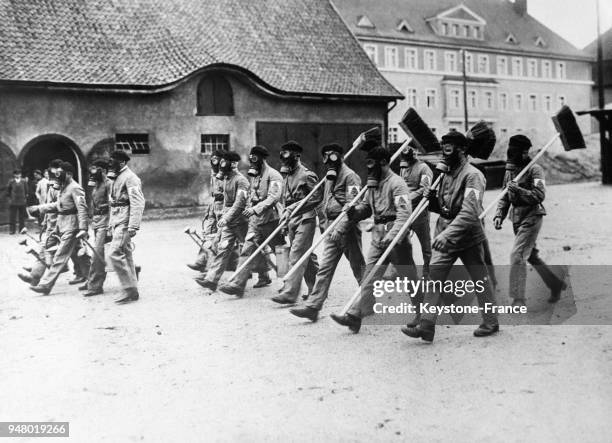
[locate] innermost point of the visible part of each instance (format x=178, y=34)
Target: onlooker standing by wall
x=41, y=191
x=17, y=191
x=32, y=185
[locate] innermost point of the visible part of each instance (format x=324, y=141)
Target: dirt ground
x=182, y=366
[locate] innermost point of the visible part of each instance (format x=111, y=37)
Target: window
x=215, y=96
x=561, y=100
x=450, y=61
x=454, y=98
x=430, y=60
x=518, y=102
x=546, y=69
x=372, y=52
x=476, y=32
x=532, y=67
x=469, y=62
x=483, y=64
x=517, y=67
x=391, y=57
x=411, y=97
x=393, y=131
x=503, y=101
x=561, y=71
x=213, y=142
x=488, y=98
x=444, y=29
x=472, y=99
x=431, y=98
x=548, y=103
x=455, y=30
x=411, y=61
x=465, y=31
x=502, y=65
x=134, y=143
x=533, y=102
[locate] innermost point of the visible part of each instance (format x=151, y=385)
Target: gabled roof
x=606, y=40
x=460, y=12
x=289, y=46
x=500, y=17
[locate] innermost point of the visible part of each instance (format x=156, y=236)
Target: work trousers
x=120, y=255
x=301, y=234
x=97, y=270
x=67, y=244
x=229, y=238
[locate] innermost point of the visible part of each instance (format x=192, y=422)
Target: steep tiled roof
x=606, y=41
x=500, y=15
x=293, y=46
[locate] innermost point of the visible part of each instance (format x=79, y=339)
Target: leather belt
x=100, y=211
x=381, y=219
x=117, y=204
x=72, y=211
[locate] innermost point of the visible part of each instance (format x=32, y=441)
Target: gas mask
x=451, y=154
x=407, y=157
x=214, y=164
x=225, y=167
x=517, y=157
x=60, y=177
x=113, y=171
x=95, y=176
x=255, y=165
x=289, y=161
x=374, y=172
x=332, y=160
x=53, y=182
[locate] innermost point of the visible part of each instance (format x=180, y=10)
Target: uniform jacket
x=50, y=218
x=235, y=193
x=17, y=192
x=41, y=190
x=459, y=203
x=528, y=200
x=297, y=186
x=265, y=193
x=100, y=207
x=126, y=200
x=390, y=201
x=340, y=191
x=418, y=177
x=71, y=208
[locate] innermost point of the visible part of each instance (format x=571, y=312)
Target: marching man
x=127, y=204
x=526, y=198
x=341, y=186
x=265, y=193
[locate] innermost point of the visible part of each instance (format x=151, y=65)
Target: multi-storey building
x=518, y=71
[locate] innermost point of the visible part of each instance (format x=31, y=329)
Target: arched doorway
x=8, y=162
x=38, y=152
x=102, y=149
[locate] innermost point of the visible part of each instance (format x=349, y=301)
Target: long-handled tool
x=370, y=137
x=193, y=232
x=187, y=231
x=571, y=138
x=25, y=232
x=82, y=236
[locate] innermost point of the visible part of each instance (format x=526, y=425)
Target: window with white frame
x=444, y=29
x=547, y=69
x=431, y=98
x=518, y=102
x=393, y=134
x=450, y=61
x=561, y=70
x=391, y=57
x=472, y=99
x=488, y=100
x=429, y=57
x=454, y=98
x=411, y=97
x=372, y=51
x=561, y=101
x=465, y=31
x=214, y=142
x=477, y=32
x=533, y=102
x=469, y=62
x=483, y=64
x=532, y=67
x=503, y=101
x=455, y=28
x=547, y=103
x=517, y=66
x=411, y=59
x=502, y=65
x=134, y=143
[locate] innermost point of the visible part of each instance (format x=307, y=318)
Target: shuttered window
x=215, y=96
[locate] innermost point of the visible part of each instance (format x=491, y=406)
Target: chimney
x=520, y=6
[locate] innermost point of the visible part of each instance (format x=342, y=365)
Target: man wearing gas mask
x=459, y=234
x=341, y=186
x=72, y=219
x=262, y=211
x=213, y=212
x=526, y=199
x=100, y=187
x=388, y=202
x=418, y=177
x=48, y=239
x=232, y=224
x=127, y=205
x=301, y=224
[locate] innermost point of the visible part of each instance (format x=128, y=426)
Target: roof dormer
x=540, y=42
x=403, y=26
x=511, y=39
x=458, y=22
x=364, y=22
